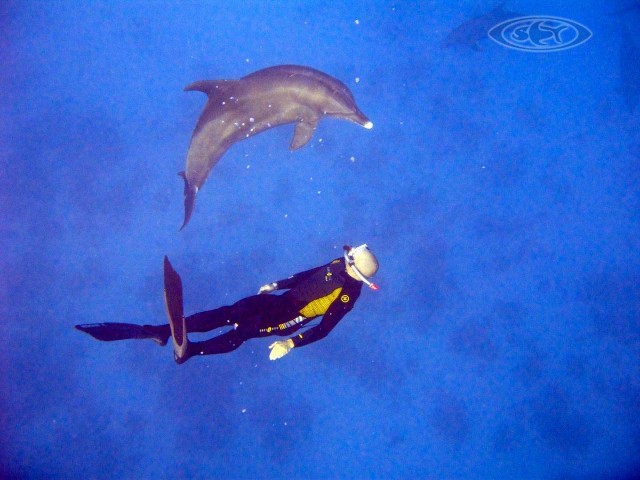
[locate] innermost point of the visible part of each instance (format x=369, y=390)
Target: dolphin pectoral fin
x=302, y=134
x=189, y=199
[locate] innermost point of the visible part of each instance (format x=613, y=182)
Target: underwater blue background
x=498, y=188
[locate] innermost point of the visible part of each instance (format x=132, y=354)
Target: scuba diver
x=329, y=291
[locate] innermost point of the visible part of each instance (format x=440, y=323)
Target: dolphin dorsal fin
x=210, y=87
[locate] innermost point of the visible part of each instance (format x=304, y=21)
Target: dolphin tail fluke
x=189, y=199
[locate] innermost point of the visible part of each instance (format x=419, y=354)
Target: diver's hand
x=268, y=288
x=280, y=348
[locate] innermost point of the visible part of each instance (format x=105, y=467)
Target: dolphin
x=239, y=109
x=627, y=9
x=471, y=32
x=629, y=69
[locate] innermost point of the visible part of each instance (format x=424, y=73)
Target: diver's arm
x=338, y=309
x=328, y=322
x=290, y=282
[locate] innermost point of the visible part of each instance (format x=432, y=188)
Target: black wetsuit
x=326, y=291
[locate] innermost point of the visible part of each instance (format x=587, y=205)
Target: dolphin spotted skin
x=239, y=109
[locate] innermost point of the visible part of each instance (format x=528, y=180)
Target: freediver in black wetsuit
x=329, y=291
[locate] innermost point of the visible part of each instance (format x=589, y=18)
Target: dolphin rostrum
x=239, y=109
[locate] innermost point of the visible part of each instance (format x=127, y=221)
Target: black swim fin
x=108, y=332
x=174, y=305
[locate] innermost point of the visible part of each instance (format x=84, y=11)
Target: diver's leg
x=247, y=316
x=230, y=315
x=210, y=319
x=158, y=333
x=198, y=322
x=224, y=343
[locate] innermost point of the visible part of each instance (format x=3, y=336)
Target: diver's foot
x=180, y=340
x=156, y=334
x=179, y=359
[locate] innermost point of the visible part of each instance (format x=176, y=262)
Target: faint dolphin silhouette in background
x=629, y=70
x=472, y=31
x=628, y=8
x=239, y=109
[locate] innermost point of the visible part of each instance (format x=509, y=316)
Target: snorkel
x=349, y=258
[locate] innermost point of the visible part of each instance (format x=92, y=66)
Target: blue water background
x=499, y=189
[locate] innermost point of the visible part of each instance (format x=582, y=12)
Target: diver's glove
x=280, y=348
x=268, y=288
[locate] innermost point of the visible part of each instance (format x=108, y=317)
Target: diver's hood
x=362, y=262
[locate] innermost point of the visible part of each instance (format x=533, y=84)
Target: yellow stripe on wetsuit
x=320, y=305
x=315, y=308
